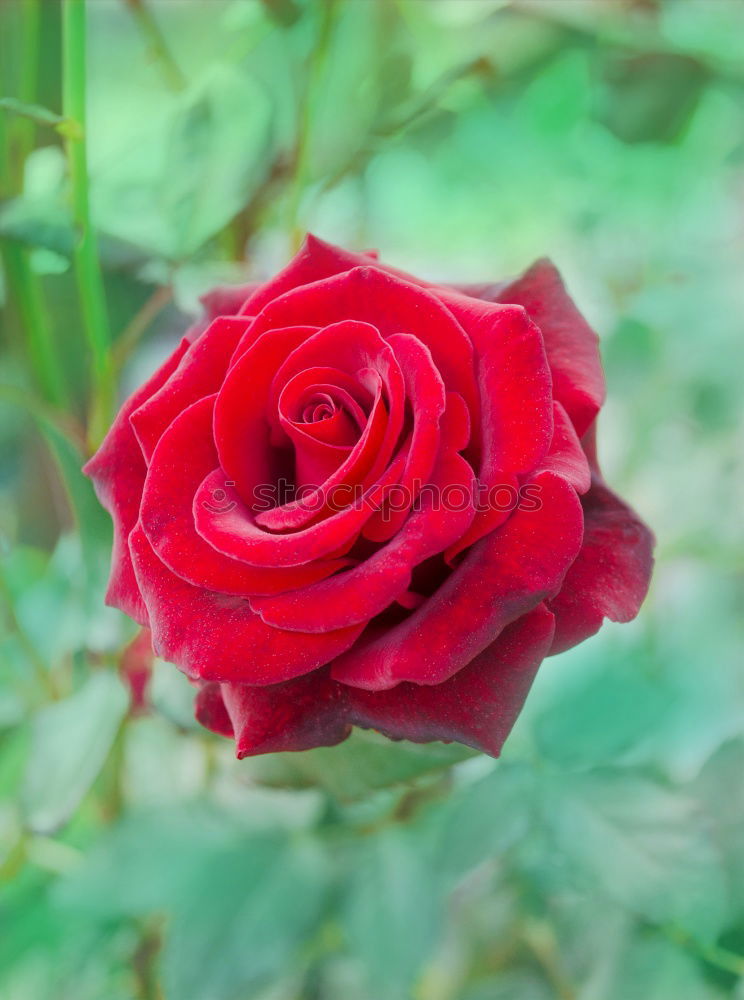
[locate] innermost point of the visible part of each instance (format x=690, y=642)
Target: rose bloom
x=310, y=503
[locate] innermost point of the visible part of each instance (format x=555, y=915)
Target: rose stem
x=91, y=291
x=16, y=142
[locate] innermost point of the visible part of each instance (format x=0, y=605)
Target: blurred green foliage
x=603, y=857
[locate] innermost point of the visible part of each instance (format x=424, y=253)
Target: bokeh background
x=603, y=857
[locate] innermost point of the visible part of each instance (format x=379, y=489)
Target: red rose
x=354, y=498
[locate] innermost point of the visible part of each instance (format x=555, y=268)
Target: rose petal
x=314, y=261
x=200, y=374
x=426, y=398
x=217, y=637
x=502, y=577
x=118, y=473
x=476, y=707
x=241, y=430
x=516, y=402
x=571, y=344
x=611, y=574
x=210, y=711
x=355, y=348
x=227, y=300
x=354, y=470
x=236, y=532
x=304, y=713
x=566, y=456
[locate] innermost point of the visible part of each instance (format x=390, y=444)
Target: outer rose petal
x=426, y=396
x=217, y=637
x=571, y=344
x=502, y=577
x=307, y=712
x=223, y=300
x=314, y=261
x=200, y=374
x=477, y=707
x=118, y=473
x=135, y=669
x=227, y=300
x=611, y=574
x=516, y=401
x=210, y=711
x=566, y=456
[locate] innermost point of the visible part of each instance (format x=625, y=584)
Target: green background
x=603, y=857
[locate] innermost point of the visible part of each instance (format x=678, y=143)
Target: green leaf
x=511, y=985
x=656, y=969
x=177, y=184
x=644, y=846
x=41, y=223
x=124, y=873
x=392, y=910
x=482, y=820
x=720, y=786
x=70, y=741
x=241, y=904
x=249, y=912
x=652, y=96
x=363, y=763
x=601, y=715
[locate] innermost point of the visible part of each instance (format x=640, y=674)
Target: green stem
x=156, y=40
x=91, y=291
x=24, y=287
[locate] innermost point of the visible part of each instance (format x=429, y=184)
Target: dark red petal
x=118, y=473
x=217, y=637
x=200, y=374
x=392, y=305
x=135, y=669
x=516, y=401
x=210, y=711
x=184, y=456
x=364, y=591
x=502, y=577
x=227, y=300
x=611, y=574
x=571, y=344
x=566, y=456
x=304, y=713
x=478, y=706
